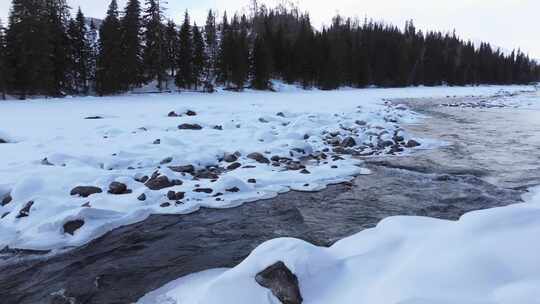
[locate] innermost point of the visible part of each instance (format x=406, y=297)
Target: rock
x=25, y=211
x=263, y=120
x=295, y=166
x=6, y=200
x=334, y=167
x=86, y=205
x=412, y=144
x=157, y=141
x=175, y=196
x=183, y=169
x=46, y=162
x=4, y=215
x=203, y=190
x=234, y=166
x=85, y=191
x=3, y=141
x=252, y=181
x=361, y=122
x=172, y=114
x=206, y=174
x=118, y=188
x=280, y=114
x=282, y=282
x=258, y=157
x=385, y=143
x=218, y=127
x=166, y=160
x=93, y=117
x=191, y=113
x=158, y=182
x=305, y=171
x=230, y=158
x=189, y=127
x=233, y=189
x=275, y=158
x=398, y=138
x=72, y=226
x=164, y=205
x=306, y=136
x=348, y=142
x=142, y=179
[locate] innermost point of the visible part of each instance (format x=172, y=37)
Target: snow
x=487, y=257
x=52, y=148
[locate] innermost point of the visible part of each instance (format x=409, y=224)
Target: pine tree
x=93, y=44
x=225, y=53
x=210, y=38
x=184, y=77
x=109, y=62
x=199, y=56
x=240, y=52
x=79, y=55
x=172, y=45
x=131, y=45
x=154, y=55
x=57, y=14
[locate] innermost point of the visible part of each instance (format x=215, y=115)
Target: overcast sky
x=505, y=23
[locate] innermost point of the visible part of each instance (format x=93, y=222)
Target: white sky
x=505, y=23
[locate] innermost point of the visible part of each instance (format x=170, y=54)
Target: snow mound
x=488, y=257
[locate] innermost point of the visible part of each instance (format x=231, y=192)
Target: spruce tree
x=199, y=57
x=261, y=65
x=172, y=46
x=210, y=39
x=57, y=14
x=240, y=52
x=132, y=45
x=154, y=55
x=184, y=77
x=93, y=44
x=225, y=53
x=109, y=61
x=79, y=55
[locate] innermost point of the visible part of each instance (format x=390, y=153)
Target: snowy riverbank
x=302, y=139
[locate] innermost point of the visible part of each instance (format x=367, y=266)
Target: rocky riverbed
x=490, y=156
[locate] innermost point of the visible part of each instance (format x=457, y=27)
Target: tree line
x=45, y=51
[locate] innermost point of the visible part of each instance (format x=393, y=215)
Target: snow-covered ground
x=52, y=148
x=487, y=257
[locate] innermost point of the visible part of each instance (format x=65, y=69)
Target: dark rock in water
x=189, y=127
x=85, y=191
x=175, y=196
x=234, y=166
x=258, y=157
x=118, y=188
x=233, y=189
x=158, y=182
x=166, y=160
x=157, y=141
x=348, y=142
x=282, y=282
x=203, y=190
x=230, y=158
x=142, y=197
x=26, y=210
x=172, y=114
x=93, y=117
x=191, y=113
x=412, y=144
x=305, y=171
x=6, y=200
x=72, y=226
x=252, y=181
x=183, y=169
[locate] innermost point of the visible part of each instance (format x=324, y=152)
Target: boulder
x=175, y=196
x=72, y=226
x=6, y=199
x=305, y=171
x=206, y=174
x=233, y=189
x=348, y=142
x=191, y=113
x=118, y=188
x=203, y=190
x=189, y=127
x=85, y=191
x=172, y=114
x=258, y=157
x=25, y=211
x=142, y=197
x=282, y=283
x=166, y=160
x=2, y=141
x=252, y=181
x=230, y=158
x=158, y=182
x=164, y=205
x=157, y=141
x=183, y=169
x=93, y=117
x=234, y=166
x=412, y=144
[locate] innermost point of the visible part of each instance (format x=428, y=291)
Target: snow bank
x=488, y=257
x=64, y=143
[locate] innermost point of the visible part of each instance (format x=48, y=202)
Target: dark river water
x=491, y=156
